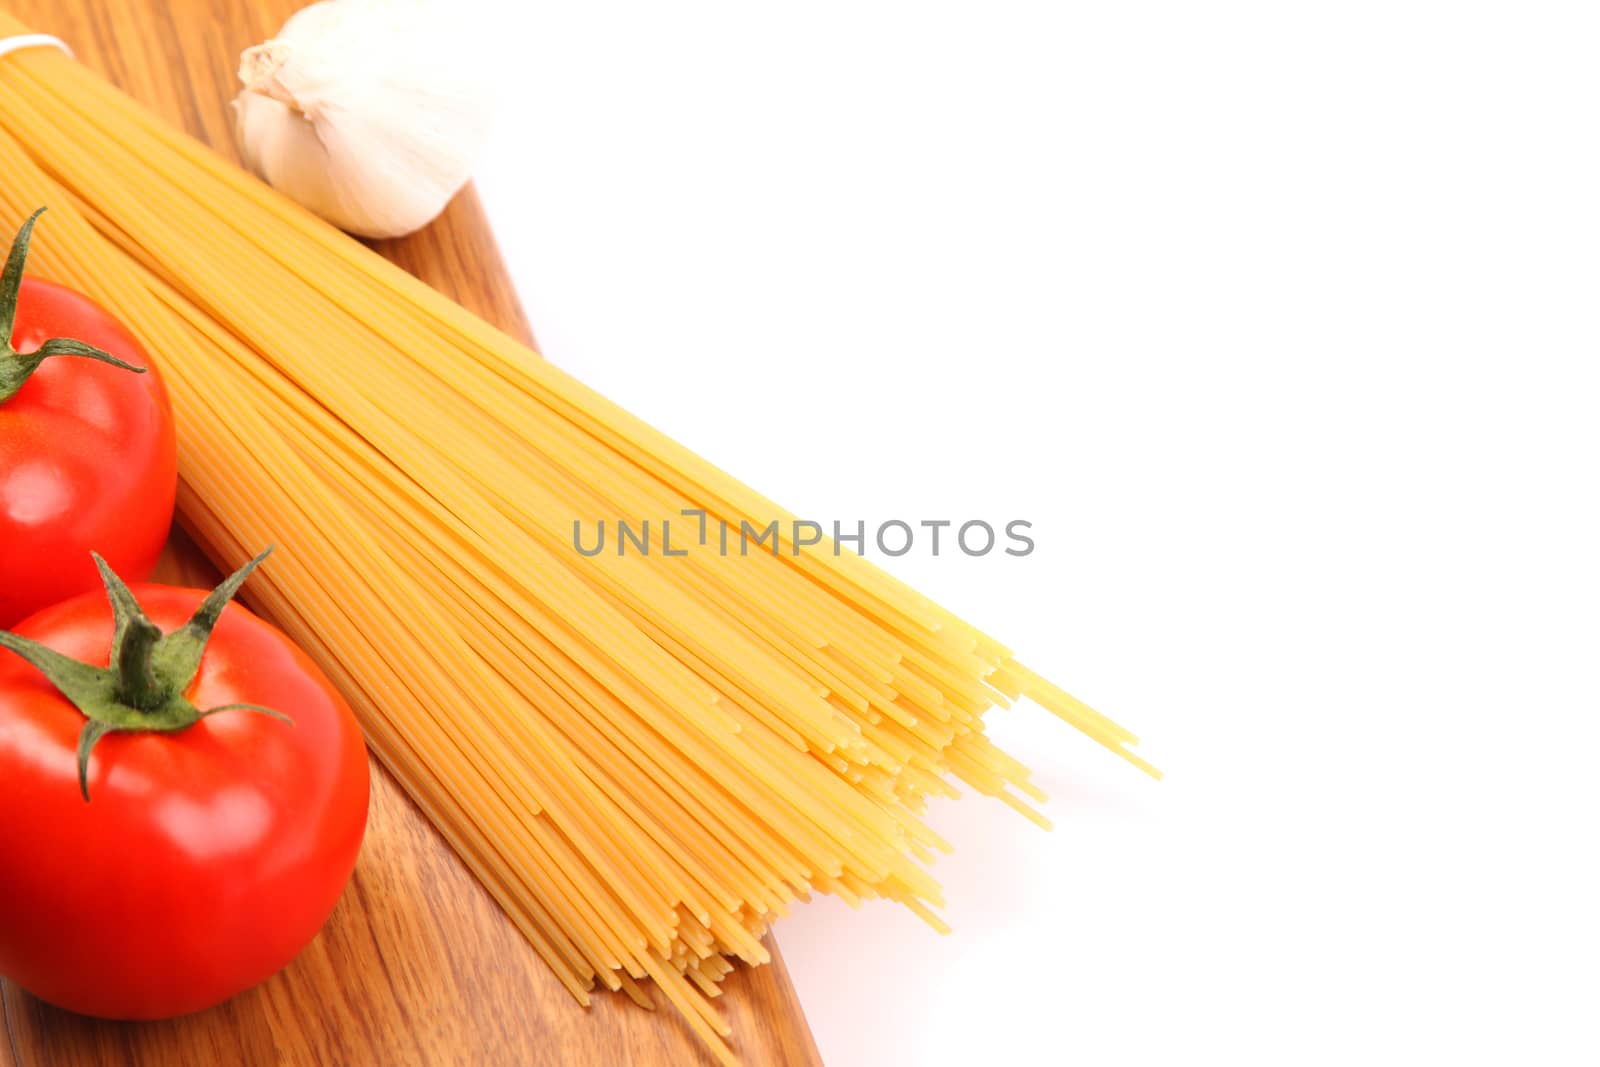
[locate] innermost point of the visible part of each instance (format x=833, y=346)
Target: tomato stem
x=17, y=367
x=137, y=684
x=142, y=688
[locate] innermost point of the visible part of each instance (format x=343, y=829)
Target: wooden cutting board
x=417, y=965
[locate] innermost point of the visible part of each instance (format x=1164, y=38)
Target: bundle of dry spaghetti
x=646, y=761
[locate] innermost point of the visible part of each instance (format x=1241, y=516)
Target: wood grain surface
x=417, y=965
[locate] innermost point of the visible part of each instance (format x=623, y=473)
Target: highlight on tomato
x=88, y=456
x=185, y=795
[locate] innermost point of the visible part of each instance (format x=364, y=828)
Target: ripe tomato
x=88, y=459
x=203, y=859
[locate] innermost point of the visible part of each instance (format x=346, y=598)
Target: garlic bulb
x=368, y=112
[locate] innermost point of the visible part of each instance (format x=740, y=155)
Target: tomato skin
x=88, y=458
x=206, y=859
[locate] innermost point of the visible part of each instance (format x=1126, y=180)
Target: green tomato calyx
x=142, y=689
x=17, y=367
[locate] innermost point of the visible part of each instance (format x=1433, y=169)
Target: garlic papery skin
x=368, y=112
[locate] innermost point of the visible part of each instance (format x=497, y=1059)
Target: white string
x=31, y=40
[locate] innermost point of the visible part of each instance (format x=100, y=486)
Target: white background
x=1280, y=323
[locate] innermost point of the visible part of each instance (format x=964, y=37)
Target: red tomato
x=205, y=859
x=88, y=459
